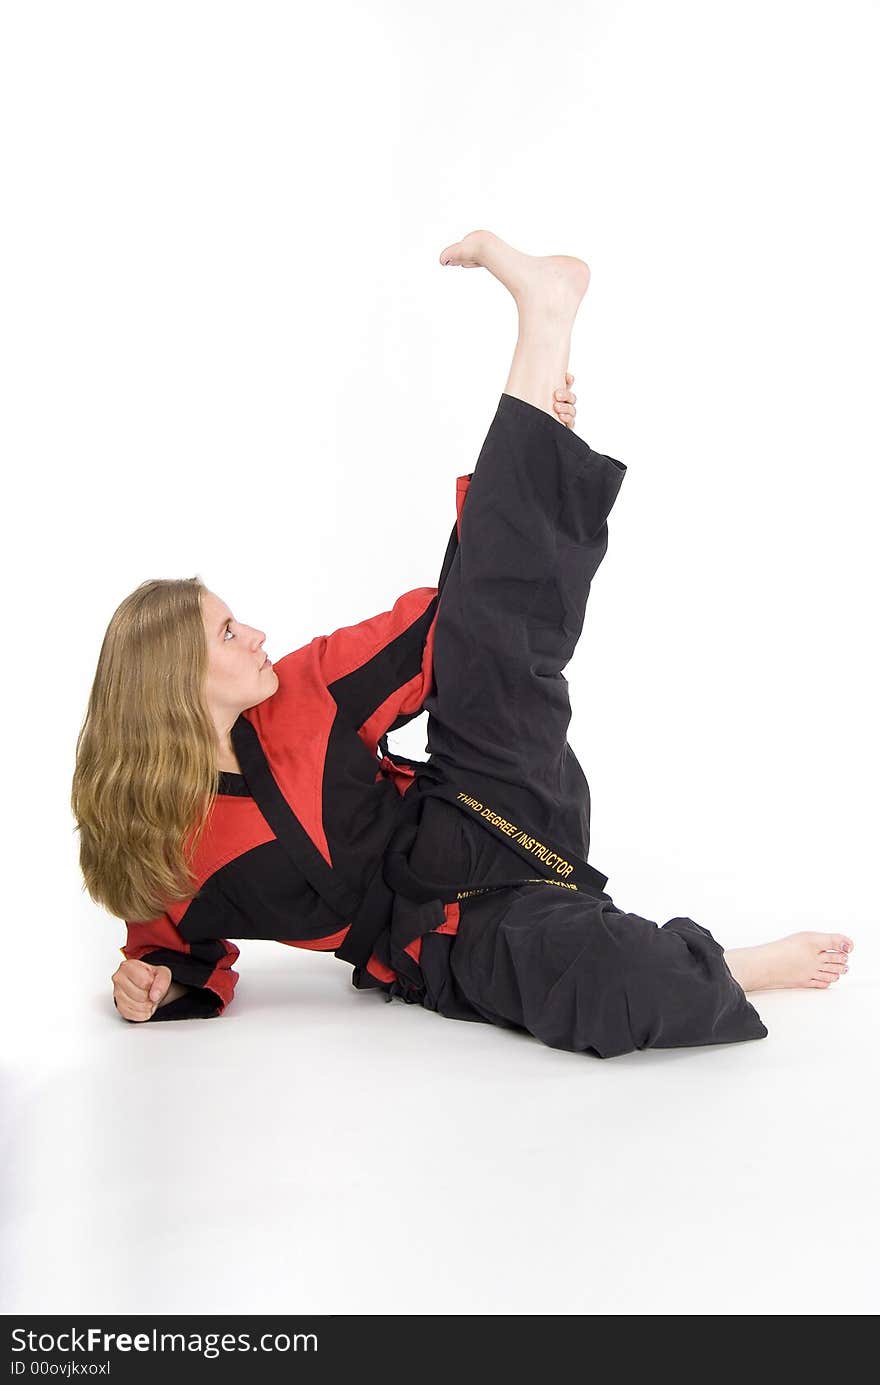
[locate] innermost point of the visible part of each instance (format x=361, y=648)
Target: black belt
x=369, y=911
x=556, y=865
x=372, y=917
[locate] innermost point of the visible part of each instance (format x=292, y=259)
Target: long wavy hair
x=146, y=755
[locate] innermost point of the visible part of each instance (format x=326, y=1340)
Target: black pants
x=570, y=968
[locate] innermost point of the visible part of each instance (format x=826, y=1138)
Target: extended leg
x=547, y=290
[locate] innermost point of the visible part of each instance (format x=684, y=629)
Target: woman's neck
x=226, y=757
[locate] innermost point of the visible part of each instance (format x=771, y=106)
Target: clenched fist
x=138, y=988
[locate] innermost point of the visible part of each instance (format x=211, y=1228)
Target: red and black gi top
x=294, y=846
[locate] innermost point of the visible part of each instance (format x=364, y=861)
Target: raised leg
x=533, y=533
x=547, y=290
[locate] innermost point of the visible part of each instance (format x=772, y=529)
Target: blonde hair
x=146, y=755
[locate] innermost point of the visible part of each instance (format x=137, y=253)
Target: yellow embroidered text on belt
x=551, y=859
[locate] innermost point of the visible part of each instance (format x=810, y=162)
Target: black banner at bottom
x=127, y=1348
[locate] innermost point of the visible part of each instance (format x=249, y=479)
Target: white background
x=229, y=349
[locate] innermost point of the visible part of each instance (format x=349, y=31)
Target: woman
x=220, y=797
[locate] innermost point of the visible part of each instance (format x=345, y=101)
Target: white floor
x=318, y=1150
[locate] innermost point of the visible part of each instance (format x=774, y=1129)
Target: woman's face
x=239, y=672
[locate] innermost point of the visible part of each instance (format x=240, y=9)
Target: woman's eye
x=228, y=631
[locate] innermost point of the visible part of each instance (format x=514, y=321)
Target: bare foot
x=554, y=283
x=813, y=960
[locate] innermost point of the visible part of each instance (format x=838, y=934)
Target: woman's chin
x=268, y=685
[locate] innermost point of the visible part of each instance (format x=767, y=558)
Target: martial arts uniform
x=460, y=883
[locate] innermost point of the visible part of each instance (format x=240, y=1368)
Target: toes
x=839, y=942
x=819, y=985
